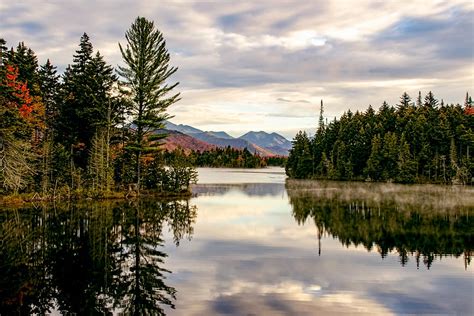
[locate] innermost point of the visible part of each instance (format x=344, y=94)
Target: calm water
x=245, y=244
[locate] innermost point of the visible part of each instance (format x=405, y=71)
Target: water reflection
x=249, y=189
x=250, y=252
x=89, y=259
x=250, y=256
x=423, y=230
x=241, y=176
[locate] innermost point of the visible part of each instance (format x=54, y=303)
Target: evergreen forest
x=227, y=157
x=416, y=141
x=87, y=131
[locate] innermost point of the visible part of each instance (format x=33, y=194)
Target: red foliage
x=469, y=110
x=186, y=142
x=19, y=90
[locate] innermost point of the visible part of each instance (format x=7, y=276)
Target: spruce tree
x=101, y=80
x=27, y=62
x=3, y=63
x=49, y=89
x=390, y=152
x=87, y=94
x=145, y=76
x=406, y=165
x=3, y=53
x=49, y=86
x=453, y=161
x=419, y=101
x=375, y=161
x=405, y=101
x=299, y=163
x=321, y=118
x=72, y=122
x=430, y=100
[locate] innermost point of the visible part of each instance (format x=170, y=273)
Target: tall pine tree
x=145, y=76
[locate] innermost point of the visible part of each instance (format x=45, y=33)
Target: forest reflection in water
x=250, y=252
x=426, y=222
x=87, y=259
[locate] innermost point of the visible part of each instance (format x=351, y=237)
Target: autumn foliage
x=29, y=107
x=19, y=90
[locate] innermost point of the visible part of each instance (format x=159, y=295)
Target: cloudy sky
x=265, y=65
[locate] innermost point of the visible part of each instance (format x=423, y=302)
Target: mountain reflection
x=424, y=233
x=89, y=259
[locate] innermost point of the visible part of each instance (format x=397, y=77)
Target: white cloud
x=239, y=58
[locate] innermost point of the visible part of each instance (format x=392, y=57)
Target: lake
x=248, y=242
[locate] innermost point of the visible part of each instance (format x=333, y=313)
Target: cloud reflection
x=249, y=257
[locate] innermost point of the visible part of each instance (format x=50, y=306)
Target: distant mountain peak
x=261, y=142
x=220, y=134
x=186, y=129
x=273, y=142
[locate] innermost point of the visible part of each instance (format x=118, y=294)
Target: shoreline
x=21, y=199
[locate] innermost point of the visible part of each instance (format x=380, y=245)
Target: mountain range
x=191, y=138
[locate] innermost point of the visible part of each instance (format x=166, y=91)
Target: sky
x=267, y=64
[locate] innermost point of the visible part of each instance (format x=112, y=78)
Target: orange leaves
x=11, y=74
x=19, y=91
x=25, y=110
x=30, y=108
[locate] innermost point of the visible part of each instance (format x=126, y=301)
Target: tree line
x=90, y=128
x=226, y=157
x=414, y=142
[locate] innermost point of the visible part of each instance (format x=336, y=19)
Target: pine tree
x=453, y=159
x=299, y=163
x=375, y=161
x=83, y=55
x=390, y=151
x=73, y=124
x=3, y=53
x=405, y=101
x=27, y=63
x=406, y=164
x=419, y=101
x=100, y=85
x=430, y=101
x=145, y=76
x=87, y=96
x=49, y=86
x=321, y=118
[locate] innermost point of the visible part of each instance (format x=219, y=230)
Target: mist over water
x=247, y=242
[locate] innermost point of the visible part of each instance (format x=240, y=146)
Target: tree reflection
x=423, y=235
x=89, y=259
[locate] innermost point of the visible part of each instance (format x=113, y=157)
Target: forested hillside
x=227, y=157
x=421, y=141
x=261, y=143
